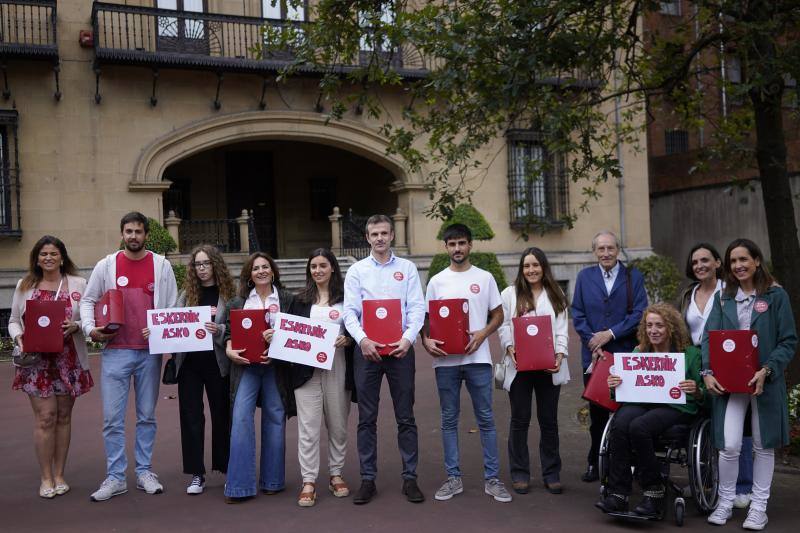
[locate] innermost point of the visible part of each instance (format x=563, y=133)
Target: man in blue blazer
x=607, y=305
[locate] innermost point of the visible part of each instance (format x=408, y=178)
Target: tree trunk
x=777, y=193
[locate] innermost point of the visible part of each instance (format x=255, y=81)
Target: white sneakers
x=741, y=501
x=756, y=520
x=148, y=482
x=196, y=486
x=108, y=489
x=720, y=516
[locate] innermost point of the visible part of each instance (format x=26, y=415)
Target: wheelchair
x=684, y=445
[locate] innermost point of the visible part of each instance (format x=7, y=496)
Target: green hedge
x=471, y=218
x=484, y=260
x=661, y=277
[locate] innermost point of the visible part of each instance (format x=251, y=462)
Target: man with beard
x=147, y=282
x=383, y=276
x=474, y=367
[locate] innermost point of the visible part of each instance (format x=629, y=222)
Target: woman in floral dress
x=52, y=383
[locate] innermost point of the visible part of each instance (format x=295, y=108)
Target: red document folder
x=43, y=322
x=383, y=322
x=734, y=359
x=533, y=342
x=449, y=322
x=247, y=332
x=109, y=311
x=596, y=390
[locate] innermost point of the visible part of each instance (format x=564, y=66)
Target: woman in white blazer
x=535, y=293
x=55, y=380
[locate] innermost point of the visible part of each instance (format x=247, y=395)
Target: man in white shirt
x=474, y=367
x=384, y=276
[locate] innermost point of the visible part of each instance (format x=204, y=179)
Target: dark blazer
x=593, y=309
x=302, y=373
x=283, y=375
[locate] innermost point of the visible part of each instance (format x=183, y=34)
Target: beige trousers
x=323, y=396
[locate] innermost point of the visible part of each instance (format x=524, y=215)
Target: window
x=9, y=174
x=670, y=7
x=537, y=186
x=283, y=10
x=173, y=27
x=733, y=69
x=676, y=141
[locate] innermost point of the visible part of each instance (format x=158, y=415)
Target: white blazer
x=75, y=287
x=560, y=324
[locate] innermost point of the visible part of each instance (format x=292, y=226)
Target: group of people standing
x=610, y=314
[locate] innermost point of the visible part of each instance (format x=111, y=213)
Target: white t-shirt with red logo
x=480, y=289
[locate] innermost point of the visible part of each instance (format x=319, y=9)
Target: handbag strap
x=58, y=290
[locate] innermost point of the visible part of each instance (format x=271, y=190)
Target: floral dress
x=60, y=374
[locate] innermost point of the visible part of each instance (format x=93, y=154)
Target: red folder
x=533, y=342
x=43, y=322
x=596, y=390
x=383, y=322
x=109, y=311
x=247, y=332
x=734, y=358
x=449, y=322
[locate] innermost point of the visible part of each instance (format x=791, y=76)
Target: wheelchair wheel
x=680, y=511
x=604, y=459
x=703, y=467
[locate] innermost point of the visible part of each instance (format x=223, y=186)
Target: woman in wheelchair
x=635, y=427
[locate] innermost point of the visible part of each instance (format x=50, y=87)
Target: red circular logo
x=200, y=334
x=475, y=288
x=151, y=287
x=76, y=296
x=675, y=393
x=761, y=306
x=273, y=308
x=334, y=314
x=398, y=276
x=322, y=357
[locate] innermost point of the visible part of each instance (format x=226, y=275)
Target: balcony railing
x=181, y=39
x=28, y=29
x=223, y=234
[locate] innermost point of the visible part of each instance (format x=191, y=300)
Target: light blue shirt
x=609, y=277
x=396, y=279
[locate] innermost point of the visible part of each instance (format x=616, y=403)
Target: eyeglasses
x=201, y=264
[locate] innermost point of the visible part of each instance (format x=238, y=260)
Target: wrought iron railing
x=222, y=233
x=352, y=230
x=28, y=28
x=169, y=38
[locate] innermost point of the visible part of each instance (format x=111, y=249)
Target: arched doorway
x=289, y=187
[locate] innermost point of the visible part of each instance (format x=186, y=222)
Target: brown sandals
x=338, y=487
x=307, y=498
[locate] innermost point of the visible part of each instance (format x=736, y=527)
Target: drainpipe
x=621, y=179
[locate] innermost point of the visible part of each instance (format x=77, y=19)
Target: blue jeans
x=478, y=378
x=119, y=365
x=744, y=483
x=241, y=480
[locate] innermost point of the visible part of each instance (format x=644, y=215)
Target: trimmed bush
x=484, y=260
x=471, y=218
x=661, y=277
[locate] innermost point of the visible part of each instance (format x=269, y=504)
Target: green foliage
x=484, y=260
x=661, y=277
x=472, y=218
x=179, y=269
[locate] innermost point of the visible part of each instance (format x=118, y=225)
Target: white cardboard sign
x=304, y=340
x=650, y=377
x=180, y=329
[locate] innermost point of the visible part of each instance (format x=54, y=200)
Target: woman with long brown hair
x=535, y=292
x=207, y=282
x=269, y=380
x=55, y=380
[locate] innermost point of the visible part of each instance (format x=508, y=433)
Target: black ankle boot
x=613, y=503
x=652, y=504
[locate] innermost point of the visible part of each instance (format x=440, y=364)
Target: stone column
x=336, y=232
x=400, y=243
x=244, y=233
x=173, y=223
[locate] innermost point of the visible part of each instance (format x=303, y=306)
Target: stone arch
x=258, y=125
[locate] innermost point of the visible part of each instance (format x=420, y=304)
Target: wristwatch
x=768, y=369
x=708, y=372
